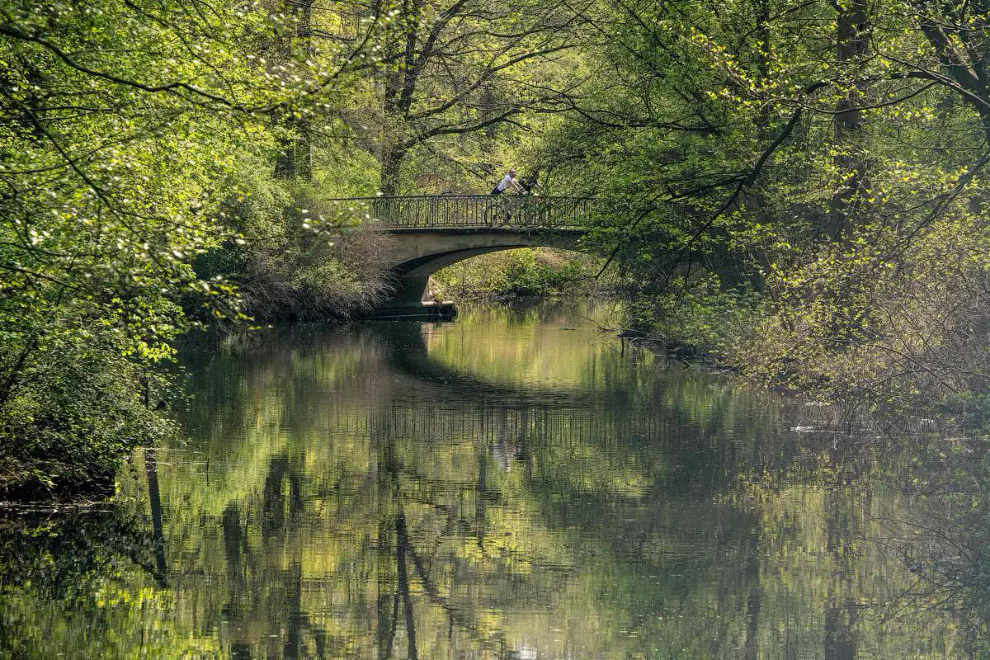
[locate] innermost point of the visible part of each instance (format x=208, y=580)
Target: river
x=518, y=483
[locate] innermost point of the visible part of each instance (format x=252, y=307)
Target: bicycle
x=496, y=212
x=502, y=209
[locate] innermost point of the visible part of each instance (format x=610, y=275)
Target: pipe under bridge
x=430, y=232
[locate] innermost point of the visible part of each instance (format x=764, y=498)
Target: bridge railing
x=424, y=211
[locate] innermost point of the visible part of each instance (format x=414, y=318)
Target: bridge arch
x=430, y=232
x=421, y=253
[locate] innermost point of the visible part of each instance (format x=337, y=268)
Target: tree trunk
x=304, y=138
x=841, y=610
x=391, y=164
x=401, y=548
x=761, y=9
x=751, y=199
x=295, y=158
x=852, y=44
x=400, y=49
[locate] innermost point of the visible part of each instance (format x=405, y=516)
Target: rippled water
x=515, y=484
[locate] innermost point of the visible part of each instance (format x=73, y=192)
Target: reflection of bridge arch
x=406, y=352
x=621, y=410
x=430, y=232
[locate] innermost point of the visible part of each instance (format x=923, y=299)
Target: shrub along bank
x=522, y=272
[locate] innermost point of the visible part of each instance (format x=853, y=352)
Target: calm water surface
x=515, y=484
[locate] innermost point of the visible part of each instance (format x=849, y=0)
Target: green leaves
x=825, y=160
x=126, y=127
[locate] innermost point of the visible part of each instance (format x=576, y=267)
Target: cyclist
x=509, y=182
x=532, y=183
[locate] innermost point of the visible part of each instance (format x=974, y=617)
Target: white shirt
x=505, y=183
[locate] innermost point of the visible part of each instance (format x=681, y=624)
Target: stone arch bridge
x=433, y=231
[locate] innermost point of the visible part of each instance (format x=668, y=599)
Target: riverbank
x=901, y=366
x=56, y=480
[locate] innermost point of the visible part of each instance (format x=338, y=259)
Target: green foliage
x=824, y=162
x=523, y=272
x=124, y=128
x=67, y=424
x=703, y=318
x=86, y=577
x=857, y=325
x=298, y=256
x=462, y=82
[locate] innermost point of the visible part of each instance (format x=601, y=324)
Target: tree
x=852, y=48
x=124, y=127
x=462, y=67
x=816, y=164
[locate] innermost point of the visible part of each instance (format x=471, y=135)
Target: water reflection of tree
x=628, y=506
x=395, y=541
x=85, y=585
x=945, y=540
x=274, y=569
x=841, y=608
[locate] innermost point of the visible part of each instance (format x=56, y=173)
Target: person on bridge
x=532, y=183
x=509, y=182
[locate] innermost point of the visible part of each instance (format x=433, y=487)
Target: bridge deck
x=440, y=211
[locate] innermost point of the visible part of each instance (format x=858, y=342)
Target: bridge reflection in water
x=514, y=485
x=509, y=487
x=433, y=231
